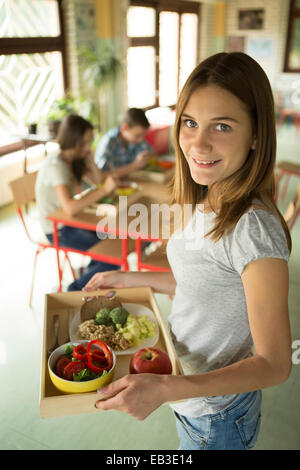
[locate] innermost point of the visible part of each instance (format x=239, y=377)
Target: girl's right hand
x=110, y=279
x=109, y=184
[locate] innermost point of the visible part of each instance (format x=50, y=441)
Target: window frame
x=178, y=6
x=32, y=45
x=294, y=14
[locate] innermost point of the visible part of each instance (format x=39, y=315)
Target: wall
x=275, y=29
x=111, y=26
x=214, y=33
x=90, y=23
x=212, y=28
x=80, y=25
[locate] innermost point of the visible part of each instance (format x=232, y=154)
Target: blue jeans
x=93, y=268
x=235, y=428
x=80, y=239
x=76, y=238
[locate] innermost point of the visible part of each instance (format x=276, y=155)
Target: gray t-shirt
x=209, y=321
x=53, y=171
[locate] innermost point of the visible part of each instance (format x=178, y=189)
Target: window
x=162, y=52
x=31, y=61
x=292, y=55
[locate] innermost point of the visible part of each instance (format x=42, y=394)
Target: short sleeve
x=103, y=153
x=57, y=173
x=258, y=234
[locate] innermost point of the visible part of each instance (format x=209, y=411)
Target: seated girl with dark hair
x=58, y=180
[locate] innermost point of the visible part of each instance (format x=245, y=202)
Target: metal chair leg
x=293, y=220
x=71, y=267
x=284, y=189
x=33, y=275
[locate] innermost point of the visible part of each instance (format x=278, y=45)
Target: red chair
x=284, y=171
x=23, y=190
x=158, y=136
x=285, y=113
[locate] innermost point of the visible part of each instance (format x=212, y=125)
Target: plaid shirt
x=111, y=153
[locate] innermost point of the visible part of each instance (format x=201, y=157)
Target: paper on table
x=101, y=209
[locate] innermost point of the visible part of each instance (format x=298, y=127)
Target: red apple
x=151, y=361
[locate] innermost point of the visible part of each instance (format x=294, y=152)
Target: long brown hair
x=230, y=198
x=70, y=135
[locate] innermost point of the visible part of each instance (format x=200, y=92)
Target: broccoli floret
x=119, y=315
x=107, y=200
x=103, y=317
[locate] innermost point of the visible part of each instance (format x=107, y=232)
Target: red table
x=89, y=221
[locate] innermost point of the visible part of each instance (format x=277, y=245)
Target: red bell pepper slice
x=98, y=356
x=79, y=352
x=107, y=353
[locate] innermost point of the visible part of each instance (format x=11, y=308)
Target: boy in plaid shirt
x=123, y=149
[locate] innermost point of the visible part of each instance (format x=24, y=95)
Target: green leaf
x=69, y=350
x=80, y=376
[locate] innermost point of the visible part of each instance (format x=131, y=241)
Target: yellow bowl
x=125, y=191
x=68, y=386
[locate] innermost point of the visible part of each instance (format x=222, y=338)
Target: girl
x=231, y=286
x=58, y=180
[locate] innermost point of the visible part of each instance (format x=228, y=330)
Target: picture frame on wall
x=251, y=19
x=260, y=48
x=235, y=44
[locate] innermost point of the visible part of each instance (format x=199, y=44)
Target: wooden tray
x=66, y=305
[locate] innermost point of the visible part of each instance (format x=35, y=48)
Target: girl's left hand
x=135, y=394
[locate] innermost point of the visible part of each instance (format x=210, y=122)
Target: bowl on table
x=126, y=188
x=69, y=386
x=165, y=164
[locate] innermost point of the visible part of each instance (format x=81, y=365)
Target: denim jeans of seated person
x=76, y=238
x=234, y=428
x=80, y=239
x=93, y=268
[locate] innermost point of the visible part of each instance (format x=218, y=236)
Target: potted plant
x=65, y=105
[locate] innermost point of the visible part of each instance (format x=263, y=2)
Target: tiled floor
x=20, y=353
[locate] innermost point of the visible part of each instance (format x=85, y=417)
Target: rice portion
x=90, y=330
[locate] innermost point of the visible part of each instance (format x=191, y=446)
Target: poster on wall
x=251, y=19
x=85, y=23
x=236, y=44
x=260, y=48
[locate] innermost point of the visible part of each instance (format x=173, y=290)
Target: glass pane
x=294, y=59
x=140, y=22
x=168, y=57
x=29, y=83
x=34, y=18
x=188, y=46
x=141, y=76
